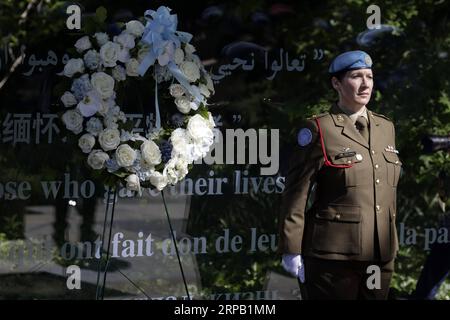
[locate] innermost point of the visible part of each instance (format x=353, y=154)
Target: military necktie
x=362, y=126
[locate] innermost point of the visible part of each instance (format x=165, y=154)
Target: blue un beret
x=350, y=60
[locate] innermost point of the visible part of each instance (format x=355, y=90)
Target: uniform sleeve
x=304, y=164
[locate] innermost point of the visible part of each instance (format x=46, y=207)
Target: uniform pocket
x=345, y=158
x=354, y=176
x=337, y=229
x=393, y=167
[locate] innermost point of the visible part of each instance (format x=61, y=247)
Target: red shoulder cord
x=328, y=162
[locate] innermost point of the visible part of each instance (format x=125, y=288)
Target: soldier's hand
x=293, y=263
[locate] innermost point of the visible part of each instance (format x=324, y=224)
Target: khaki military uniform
x=353, y=215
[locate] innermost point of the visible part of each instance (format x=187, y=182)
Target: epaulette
x=314, y=116
x=381, y=116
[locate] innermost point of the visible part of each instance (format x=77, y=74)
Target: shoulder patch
x=304, y=137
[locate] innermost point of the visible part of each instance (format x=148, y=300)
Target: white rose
x=179, y=137
x=135, y=27
x=86, y=142
x=158, y=180
x=176, y=90
x=181, y=144
x=125, y=39
x=83, y=44
x=68, y=99
x=90, y=104
x=94, y=126
x=190, y=70
x=103, y=83
x=109, y=53
x=145, y=167
x=109, y=139
x=125, y=155
x=92, y=59
x=124, y=55
x=151, y=153
x=178, y=56
x=199, y=127
x=175, y=170
x=200, y=131
x=106, y=105
x=73, y=66
x=204, y=90
x=119, y=73
x=73, y=121
x=189, y=49
x=97, y=159
x=132, y=67
x=101, y=38
x=196, y=60
x=133, y=183
x=183, y=104
x=201, y=148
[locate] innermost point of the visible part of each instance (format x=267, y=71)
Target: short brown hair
x=339, y=75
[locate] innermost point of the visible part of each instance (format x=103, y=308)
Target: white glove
x=293, y=263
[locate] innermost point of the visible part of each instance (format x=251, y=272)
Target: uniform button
x=377, y=166
x=378, y=208
x=349, y=161
x=338, y=216
x=377, y=181
x=373, y=151
x=396, y=161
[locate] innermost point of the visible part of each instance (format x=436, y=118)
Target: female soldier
x=344, y=246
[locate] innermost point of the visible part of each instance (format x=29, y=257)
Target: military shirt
x=351, y=203
x=355, y=115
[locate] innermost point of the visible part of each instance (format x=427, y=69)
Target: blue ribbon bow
x=159, y=33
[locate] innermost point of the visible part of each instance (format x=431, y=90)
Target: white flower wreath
x=164, y=155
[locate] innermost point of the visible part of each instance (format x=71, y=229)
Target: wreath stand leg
x=101, y=283
x=176, y=246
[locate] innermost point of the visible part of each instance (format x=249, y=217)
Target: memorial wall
x=144, y=155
